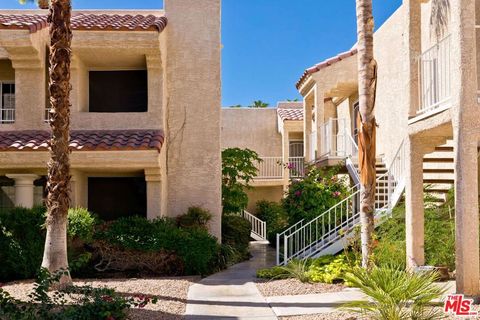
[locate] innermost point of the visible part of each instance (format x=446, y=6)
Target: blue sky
x=268, y=43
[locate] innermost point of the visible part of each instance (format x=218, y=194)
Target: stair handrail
x=289, y=230
x=300, y=246
x=259, y=227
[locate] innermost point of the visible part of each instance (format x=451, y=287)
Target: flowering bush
x=312, y=195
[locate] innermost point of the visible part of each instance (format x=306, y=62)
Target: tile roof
x=84, y=140
x=90, y=21
x=324, y=64
x=290, y=114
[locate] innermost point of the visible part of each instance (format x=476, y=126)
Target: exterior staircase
x=438, y=172
x=329, y=232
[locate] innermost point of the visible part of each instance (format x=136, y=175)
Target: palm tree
x=259, y=104
x=367, y=68
x=58, y=184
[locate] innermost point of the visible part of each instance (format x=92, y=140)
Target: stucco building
x=276, y=134
x=145, y=109
x=427, y=113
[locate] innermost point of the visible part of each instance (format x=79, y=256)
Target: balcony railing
x=336, y=140
x=7, y=115
x=435, y=71
x=296, y=166
x=270, y=168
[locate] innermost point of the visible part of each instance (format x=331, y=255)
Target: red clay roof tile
x=84, y=140
x=290, y=114
x=91, y=21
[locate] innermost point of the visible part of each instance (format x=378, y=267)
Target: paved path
x=232, y=294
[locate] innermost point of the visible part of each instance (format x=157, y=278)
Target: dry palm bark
x=367, y=124
x=58, y=185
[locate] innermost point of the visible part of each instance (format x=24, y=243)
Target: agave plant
x=395, y=294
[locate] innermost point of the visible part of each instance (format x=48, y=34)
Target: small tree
x=238, y=169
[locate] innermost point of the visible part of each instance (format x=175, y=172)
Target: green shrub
x=22, y=239
x=329, y=269
x=312, y=195
x=273, y=273
x=395, y=294
x=236, y=234
x=275, y=217
x=195, y=246
x=195, y=217
x=87, y=302
x=298, y=269
x=81, y=224
x=439, y=238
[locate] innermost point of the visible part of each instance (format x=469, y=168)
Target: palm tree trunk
x=58, y=185
x=367, y=126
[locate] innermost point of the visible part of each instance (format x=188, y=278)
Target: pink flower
x=107, y=298
x=336, y=194
x=290, y=166
x=298, y=193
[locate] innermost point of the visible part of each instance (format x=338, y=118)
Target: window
x=118, y=91
x=7, y=107
x=112, y=198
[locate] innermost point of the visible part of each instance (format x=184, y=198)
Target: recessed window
x=118, y=91
x=7, y=106
x=112, y=198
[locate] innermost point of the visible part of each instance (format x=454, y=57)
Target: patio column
x=465, y=133
x=153, y=179
x=319, y=117
x=414, y=215
x=307, y=125
x=413, y=50
x=24, y=189
x=286, y=158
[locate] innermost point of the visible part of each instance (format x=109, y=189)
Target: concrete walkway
x=232, y=294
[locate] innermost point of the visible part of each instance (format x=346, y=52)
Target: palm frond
x=395, y=294
x=439, y=17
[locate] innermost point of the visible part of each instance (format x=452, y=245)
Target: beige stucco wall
x=391, y=107
x=274, y=193
x=193, y=100
x=255, y=129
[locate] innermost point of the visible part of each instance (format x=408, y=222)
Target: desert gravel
x=288, y=287
x=171, y=292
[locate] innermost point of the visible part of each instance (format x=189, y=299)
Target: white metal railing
x=309, y=238
x=434, y=71
x=296, y=166
x=259, y=227
x=270, y=168
x=336, y=140
x=7, y=115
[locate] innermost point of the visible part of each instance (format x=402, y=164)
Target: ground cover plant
x=74, y=302
x=439, y=236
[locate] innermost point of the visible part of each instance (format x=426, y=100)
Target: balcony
x=434, y=79
x=273, y=168
x=336, y=141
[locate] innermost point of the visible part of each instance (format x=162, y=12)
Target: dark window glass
x=112, y=198
x=118, y=91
